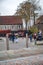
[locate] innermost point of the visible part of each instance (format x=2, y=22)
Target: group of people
x=36, y=36
x=31, y=36
x=14, y=38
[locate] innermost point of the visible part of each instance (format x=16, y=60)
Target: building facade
x=11, y=23
x=39, y=23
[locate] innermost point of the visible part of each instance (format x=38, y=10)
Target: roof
x=39, y=20
x=9, y=20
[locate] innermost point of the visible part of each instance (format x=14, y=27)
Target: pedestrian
x=30, y=37
x=35, y=37
x=13, y=37
x=16, y=38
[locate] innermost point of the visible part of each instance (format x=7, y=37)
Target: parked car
x=39, y=38
x=4, y=32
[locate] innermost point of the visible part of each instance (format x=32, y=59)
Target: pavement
x=25, y=52
x=31, y=60
x=19, y=45
x=18, y=54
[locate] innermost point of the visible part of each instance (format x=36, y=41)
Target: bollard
x=35, y=41
x=26, y=40
x=7, y=42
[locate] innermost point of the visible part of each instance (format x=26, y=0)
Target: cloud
x=41, y=3
x=9, y=6
x=2, y=1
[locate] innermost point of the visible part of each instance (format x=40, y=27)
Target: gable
x=39, y=20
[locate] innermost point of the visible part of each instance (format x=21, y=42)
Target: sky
x=9, y=7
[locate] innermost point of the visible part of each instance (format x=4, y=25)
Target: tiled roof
x=39, y=20
x=10, y=20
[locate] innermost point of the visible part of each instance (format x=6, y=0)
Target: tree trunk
x=34, y=18
x=26, y=37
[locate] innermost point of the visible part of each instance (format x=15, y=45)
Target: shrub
x=34, y=29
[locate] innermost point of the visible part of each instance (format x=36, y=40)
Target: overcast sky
x=8, y=7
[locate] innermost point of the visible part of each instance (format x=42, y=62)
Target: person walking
x=30, y=37
x=35, y=36
x=13, y=37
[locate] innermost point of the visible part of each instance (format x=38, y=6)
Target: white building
x=11, y=23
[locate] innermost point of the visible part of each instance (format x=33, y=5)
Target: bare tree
x=26, y=10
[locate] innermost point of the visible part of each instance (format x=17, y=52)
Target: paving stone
x=31, y=60
x=4, y=55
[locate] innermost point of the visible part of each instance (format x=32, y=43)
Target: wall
x=10, y=27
